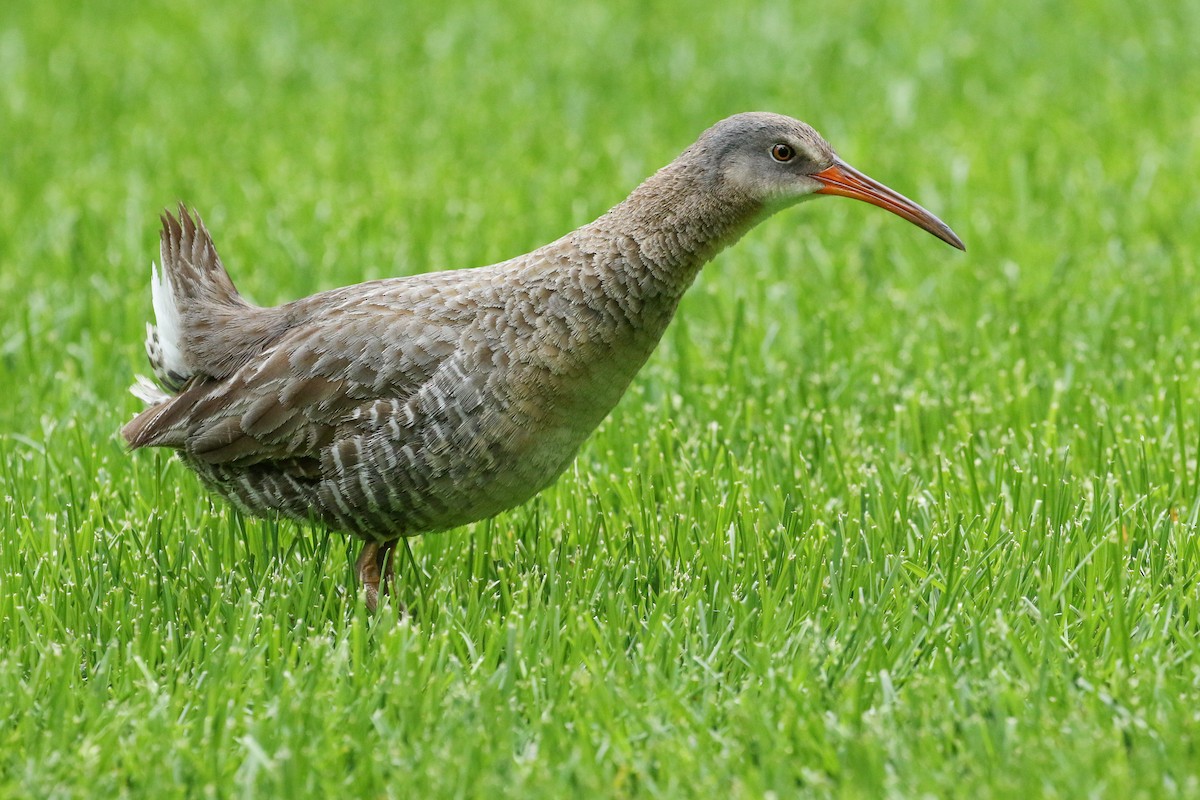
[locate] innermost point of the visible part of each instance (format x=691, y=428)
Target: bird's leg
x=367, y=568
x=386, y=562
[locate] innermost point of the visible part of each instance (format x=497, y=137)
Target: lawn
x=878, y=519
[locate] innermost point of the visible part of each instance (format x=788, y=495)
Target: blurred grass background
x=878, y=519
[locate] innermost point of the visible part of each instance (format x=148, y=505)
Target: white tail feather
x=168, y=323
x=148, y=391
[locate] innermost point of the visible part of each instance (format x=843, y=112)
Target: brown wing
x=364, y=352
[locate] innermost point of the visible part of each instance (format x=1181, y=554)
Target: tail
x=202, y=327
x=192, y=280
x=193, y=285
x=191, y=293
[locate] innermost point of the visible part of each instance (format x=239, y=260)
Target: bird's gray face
x=778, y=161
x=774, y=164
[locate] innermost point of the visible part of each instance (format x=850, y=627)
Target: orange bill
x=843, y=179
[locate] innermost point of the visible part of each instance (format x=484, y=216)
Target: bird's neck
x=660, y=236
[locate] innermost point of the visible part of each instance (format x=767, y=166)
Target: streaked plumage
x=410, y=405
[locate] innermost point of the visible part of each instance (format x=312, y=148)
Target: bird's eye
x=782, y=152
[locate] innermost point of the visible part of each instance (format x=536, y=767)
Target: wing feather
x=345, y=368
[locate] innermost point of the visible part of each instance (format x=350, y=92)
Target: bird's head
x=778, y=161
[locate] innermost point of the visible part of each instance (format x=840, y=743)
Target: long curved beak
x=843, y=179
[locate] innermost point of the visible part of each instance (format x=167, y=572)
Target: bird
x=418, y=404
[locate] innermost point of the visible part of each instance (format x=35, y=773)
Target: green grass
x=878, y=518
